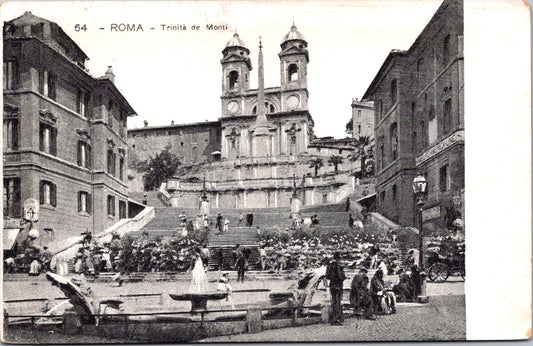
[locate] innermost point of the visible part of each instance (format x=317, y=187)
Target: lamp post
x=420, y=189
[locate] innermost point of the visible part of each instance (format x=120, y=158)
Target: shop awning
x=9, y=237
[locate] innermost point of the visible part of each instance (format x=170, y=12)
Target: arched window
x=394, y=140
x=269, y=107
x=292, y=72
x=394, y=91
x=233, y=79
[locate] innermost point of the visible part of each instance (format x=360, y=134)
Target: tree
x=335, y=160
x=316, y=163
x=159, y=169
x=362, y=154
x=349, y=127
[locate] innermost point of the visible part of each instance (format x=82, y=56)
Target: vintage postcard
x=286, y=171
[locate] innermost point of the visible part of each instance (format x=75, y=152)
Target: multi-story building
x=362, y=118
x=419, y=122
x=64, y=133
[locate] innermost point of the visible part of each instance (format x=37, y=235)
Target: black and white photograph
x=235, y=171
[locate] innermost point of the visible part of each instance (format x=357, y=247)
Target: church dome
x=294, y=34
x=235, y=42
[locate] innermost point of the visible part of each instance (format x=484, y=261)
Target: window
x=394, y=140
x=111, y=162
x=446, y=50
x=394, y=194
x=12, y=197
x=380, y=109
x=359, y=113
x=11, y=134
x=122, y=210
x=84, y=202
x=194, y=155
x=48, y=139
x=48, y=193
x=420, y=67
x=121, y=168
x=423, y=135
x=382, y=197
x=233, y=79
x=84, y=154
x=10, y=75
x=52, y=82
x=447, y=116
x=82, y=101
x=111, y=205
x=443, y=178
x=394, y=91
x=359, y=129
x=292, y=72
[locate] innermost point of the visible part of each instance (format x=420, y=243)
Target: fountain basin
x=199, y=300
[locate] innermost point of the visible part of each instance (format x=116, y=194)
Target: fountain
x=198, y=293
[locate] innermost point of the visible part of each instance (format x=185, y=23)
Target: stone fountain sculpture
x=198, y=293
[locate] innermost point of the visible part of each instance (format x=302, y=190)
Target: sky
x=176, y=75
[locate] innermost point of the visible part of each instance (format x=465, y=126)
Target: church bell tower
x=294, y=58
x=236, y=67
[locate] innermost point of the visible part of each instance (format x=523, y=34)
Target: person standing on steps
x=249, y=219
x=241, y=219
x=225, y=226
x=218, y=224
x=240, y=262
x=335, y=275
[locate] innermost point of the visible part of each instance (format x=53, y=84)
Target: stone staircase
x=167, y=223
x=152, y=198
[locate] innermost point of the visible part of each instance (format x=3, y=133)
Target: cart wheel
x=438, y=272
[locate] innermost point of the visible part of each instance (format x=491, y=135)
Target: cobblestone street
x=443, y=318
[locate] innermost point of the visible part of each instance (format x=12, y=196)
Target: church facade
x=263, y=145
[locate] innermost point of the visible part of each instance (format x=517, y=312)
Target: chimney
x=109, y=74
x=146, y=123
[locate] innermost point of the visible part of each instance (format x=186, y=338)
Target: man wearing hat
x=335, y=275
x=360, y=298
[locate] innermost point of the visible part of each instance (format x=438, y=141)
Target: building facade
x=418, y=98
x=64, y=133
x=263, y=143
x=362, y=118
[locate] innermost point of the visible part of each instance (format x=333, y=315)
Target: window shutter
x=41, y=138
x=53, y=191
x=15, y=135
x=79, y=153
x=89, y=203
x=79, y=201
x=88, y=157
x=53, y=141
x=41, y=192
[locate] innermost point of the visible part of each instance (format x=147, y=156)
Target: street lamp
x=420, y=189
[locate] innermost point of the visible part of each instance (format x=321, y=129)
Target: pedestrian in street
x=335, y=275
x=360, y=298
x=241, y=219
x=249, y=219
x=384, y=301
